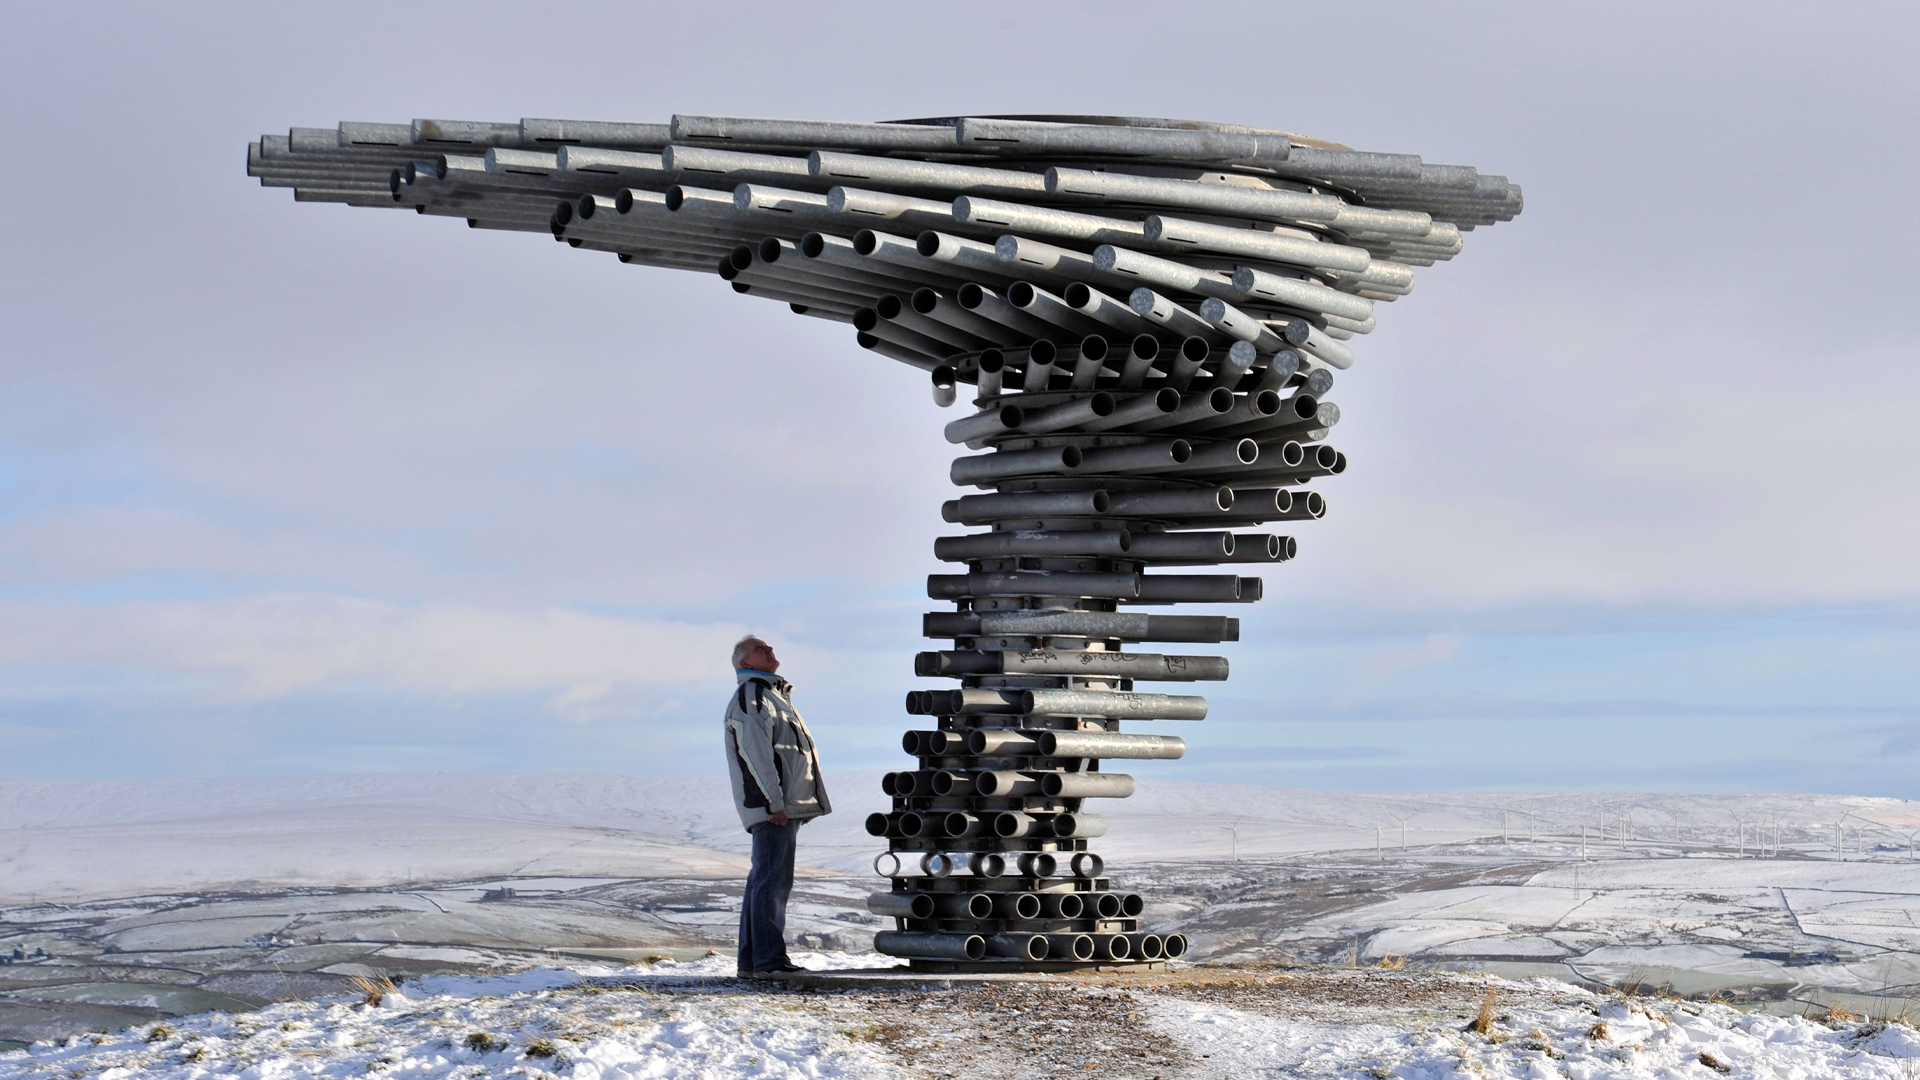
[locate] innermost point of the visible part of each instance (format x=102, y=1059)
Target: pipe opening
x=1304, y=406
x=1101, y=501
x=1220, y=399
x=1181, y=451
x=1020, y=294
x=1102, y=404
x=1078, y=294
x=1012, y=416
x=1093, y=347
x=1266, y=403
x=1289, y=547
x=927, y=243
x=865, y=242
x=728, y=271
x=925, y=300
x=623, y=200
x=812, y=244
x=1324, y=456
x=1316, y=504
x=971, y=296
x=1195, y=349
x=991, y=360
x=676, y=197
x=770, y=250
x=888, y=307
x=1166, y=399
x=1043, y=351
x=865, y=320
x=944, y=377
x=741, y=257
x=1146, y=347
x=1247, y=451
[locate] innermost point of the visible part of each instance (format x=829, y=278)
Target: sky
x=1632, y=505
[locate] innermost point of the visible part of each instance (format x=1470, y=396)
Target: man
x=777, y=788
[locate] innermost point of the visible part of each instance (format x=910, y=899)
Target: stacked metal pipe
x=1148, y=315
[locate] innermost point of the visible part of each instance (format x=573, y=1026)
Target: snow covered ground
x=688, y=1020
x=136, y=901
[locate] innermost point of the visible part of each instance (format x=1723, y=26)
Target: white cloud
x=266, y=647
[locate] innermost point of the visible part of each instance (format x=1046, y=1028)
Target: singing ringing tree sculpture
x=1148, y=314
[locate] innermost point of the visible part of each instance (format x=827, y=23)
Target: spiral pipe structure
x=1147, y=316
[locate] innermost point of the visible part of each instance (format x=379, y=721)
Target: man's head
x=751, y=653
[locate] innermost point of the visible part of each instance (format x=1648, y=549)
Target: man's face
x=760, y=657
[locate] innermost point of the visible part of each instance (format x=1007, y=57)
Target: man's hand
x=779, y=818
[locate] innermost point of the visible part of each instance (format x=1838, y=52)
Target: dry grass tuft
x=159, y=1033
x=1838, y=1015
x=1393, y=963
x=372, y=988
x=1599, y=1031
x=542, y=1048
x=1483, y=1023
x=485, y=1043
x=1714, y=1063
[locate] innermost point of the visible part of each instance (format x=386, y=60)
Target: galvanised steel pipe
x=947, y=309
x=1078, y=826
x=941, y=946
x=989, y=304
x=1124, y=626
x=1169, y=316
x=928, y=176
x=1298, y=293
x=1010, y=217
x=987, y=468
x=1084, y=664
x=885, y=206
x=1151, y=504
x=1146, y=946
x=1023, y=906
x=966, y=701
x=1230, y=200
x=1070, y=946
x=1112, y=947
x=1138, y=458
x=998, y=420
x=1199, y=407
x=1137, y=408
x=1062, y=785
x=985, y=509
x=976, y=906
x=897, y=311
x=1109, y=744
x=1236, y=324
x=1023, y=258
x=1090, y=364
x=1061, y=905
x=1013, y=824
x=1043, y=305
x=841, y=252
x=1115, y=314
x=1195, y=589
x=1029, y=947
x=868, y=321
x=1113, y=705
x=1196, y=546
x=1180, y=234
x=904, y=905
x=1001, y=545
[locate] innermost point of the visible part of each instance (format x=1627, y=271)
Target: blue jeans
x=763, y=906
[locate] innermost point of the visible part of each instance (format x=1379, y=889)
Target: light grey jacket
x=770, y=753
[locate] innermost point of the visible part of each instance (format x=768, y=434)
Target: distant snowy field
x=131, y=901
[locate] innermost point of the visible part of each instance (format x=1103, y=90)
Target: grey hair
x=740, y=648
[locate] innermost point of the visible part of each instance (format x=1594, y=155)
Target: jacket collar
x=741, y=675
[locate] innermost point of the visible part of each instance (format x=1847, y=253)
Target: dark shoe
x=787, y=968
